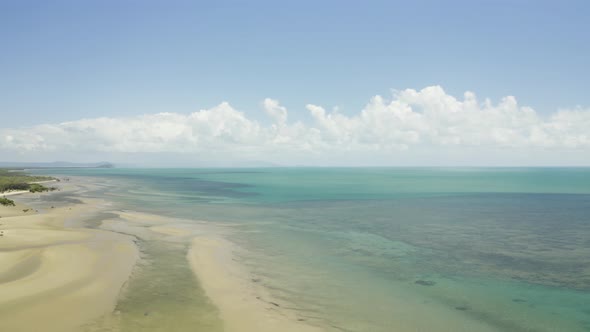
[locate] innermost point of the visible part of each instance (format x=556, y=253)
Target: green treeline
x=6, y=202
x=13, y=180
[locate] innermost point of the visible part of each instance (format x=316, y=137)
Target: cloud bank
x=412, y=125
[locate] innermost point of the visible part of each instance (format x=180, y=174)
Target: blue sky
x=63, y=60
x=70, y=60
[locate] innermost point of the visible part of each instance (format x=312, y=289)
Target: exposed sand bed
x=243, y=306
x=54, y=278
x=11, y=211
x=57, y=275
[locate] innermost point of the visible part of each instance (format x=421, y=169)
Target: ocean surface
x=380, y=249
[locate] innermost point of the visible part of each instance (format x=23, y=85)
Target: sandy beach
x=54, y=278
x=12, y=193
x=58, y=274
x=57, y=278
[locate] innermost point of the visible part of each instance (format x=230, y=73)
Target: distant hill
x=56, y=164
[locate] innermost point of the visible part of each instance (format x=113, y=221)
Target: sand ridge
x=243, y=306
x=58, y=275
x=54, y=278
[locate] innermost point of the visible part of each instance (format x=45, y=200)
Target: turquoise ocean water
x=394, y=249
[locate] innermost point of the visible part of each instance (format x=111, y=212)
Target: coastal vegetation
x=14, y=180
x=37, y=188
x=6, y=202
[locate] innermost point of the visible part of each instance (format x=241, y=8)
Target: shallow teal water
x=378, y=249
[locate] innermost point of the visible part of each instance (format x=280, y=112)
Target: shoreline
x=12, y=193
x=48, y=269
x=19, y=192
x=53, y=262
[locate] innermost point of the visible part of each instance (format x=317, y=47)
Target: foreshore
x=54, y=278
x=59, y=274
x=243, y=305
x=12, y=193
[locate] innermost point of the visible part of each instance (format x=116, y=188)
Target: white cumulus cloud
x=275, y=111
x=427, y=120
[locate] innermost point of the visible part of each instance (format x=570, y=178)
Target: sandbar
x=54, y=278
x=243, y=306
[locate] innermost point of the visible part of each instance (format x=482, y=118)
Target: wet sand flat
x=243, y=306
x=87, y=265
x=54, y=278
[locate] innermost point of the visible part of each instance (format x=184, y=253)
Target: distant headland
x=55, y=164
